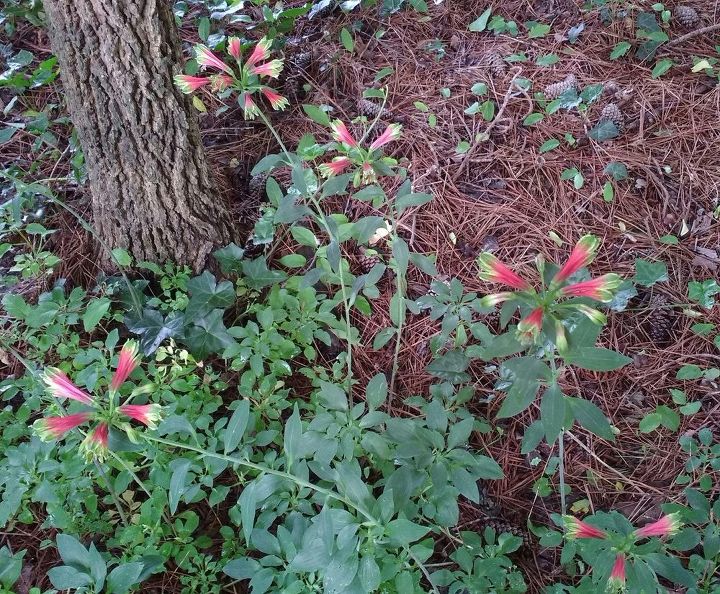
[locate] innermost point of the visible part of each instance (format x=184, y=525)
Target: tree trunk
x=152, y=192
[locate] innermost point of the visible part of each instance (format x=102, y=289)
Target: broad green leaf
x=122, y=257
x=208, y=335
x=292, y=436
x=589, y=416
x=620, y=50
x=604, y=130
x=347, y=40
x=376, y=391
x=549, y=145
x=236, y=426
x=316, y=114
x=123, y=577
x=553, y=412
x=404, y=532
x=94, y=312
x=689, y=372
x=662, y=67
x=480, y=23
x=177, y=484
x=597, y=359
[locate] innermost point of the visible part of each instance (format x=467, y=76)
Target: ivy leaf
x=662, y=67
x=604, y=130
x=549, y=145
x=230, y=258
x=648, y=273
x=153, y=329
x=620, y=50
x=206, y=294
x=208, y=335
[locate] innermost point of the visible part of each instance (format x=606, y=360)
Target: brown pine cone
x=687, y=15
x=368, y=258
x=661, y=320
x=612, y=113
x=500, y=526
x=555, y=90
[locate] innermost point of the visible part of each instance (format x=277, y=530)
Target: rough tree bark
x=152, y=192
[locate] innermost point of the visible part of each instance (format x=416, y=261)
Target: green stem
x=561, y=445
x=264, y=469
x=426, y=573
x=111, y=490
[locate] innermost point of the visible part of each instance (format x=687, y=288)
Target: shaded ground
x=507, y=195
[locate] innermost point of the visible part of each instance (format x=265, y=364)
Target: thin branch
x=684, y=38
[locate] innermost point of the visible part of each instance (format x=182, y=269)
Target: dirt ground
x=504, y=194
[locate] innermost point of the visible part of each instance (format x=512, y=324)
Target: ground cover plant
x=453, y=330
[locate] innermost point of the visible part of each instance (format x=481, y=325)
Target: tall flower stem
x=312, y=198
x=111, y=490
x=561, y=445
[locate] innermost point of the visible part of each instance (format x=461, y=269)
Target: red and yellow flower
x=392, y=132
x=334, y=167
x=493, y=270
x=276, y=100
x=575, y=528
x=668, y=525
x=581, y=256
x=616, y=581
x=529, y=328
x=601, y=288
x=341, y=133
x=188, y=84
x=206, y=59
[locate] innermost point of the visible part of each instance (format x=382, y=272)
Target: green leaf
x=293, y=260
x=487, y=109
x=553, y=412
x=597, y=359
x=524, y=373
x=662, y=67
x=403, y=532
x=703, y=292
x=591, y=418
x=333, y=396
x=94, y=312
x=369, y=574
x=244, y=567
x=376, y=391
x=538, y=30
x=608, y=191
x=208, y=335
x=479, y=89
x=122, y=257
x=617, y=170
x=236, y=426
x=177, y=484
x=620, y=50
x=533, y=118
x=347, y=40
x=450, y=366
x=304, y=236
x=648, y=273
x=204, y=29
x=316, y=114
x=383, y=72
x=604, y=130
x=153, y=328
x=292, y=436
x=68, y=578
x=230, y=258
x=650, y=422
x=480, y=23
x=123, y=577
x=258, y=275
x=72, y=551
x=247, y=503
x=547, y=60
x=408, y=200
x=207, y=294
x=549, y=145
x=689, y=372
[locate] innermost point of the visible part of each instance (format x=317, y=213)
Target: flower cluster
x=546, y=303
x=104, y=414
x=244, y=78
x=666, y=526
x=369, y=163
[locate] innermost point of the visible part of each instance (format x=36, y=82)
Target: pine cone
x=555, y=90
x=499, y=526
x=495, y=63
x=612, y=113
x=661, y=320
x=292, y=78
x=256, y=189
x=368, y=109
x=368, y=259
x=687, y=15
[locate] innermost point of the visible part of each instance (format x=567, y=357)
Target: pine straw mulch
x=506, y=195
